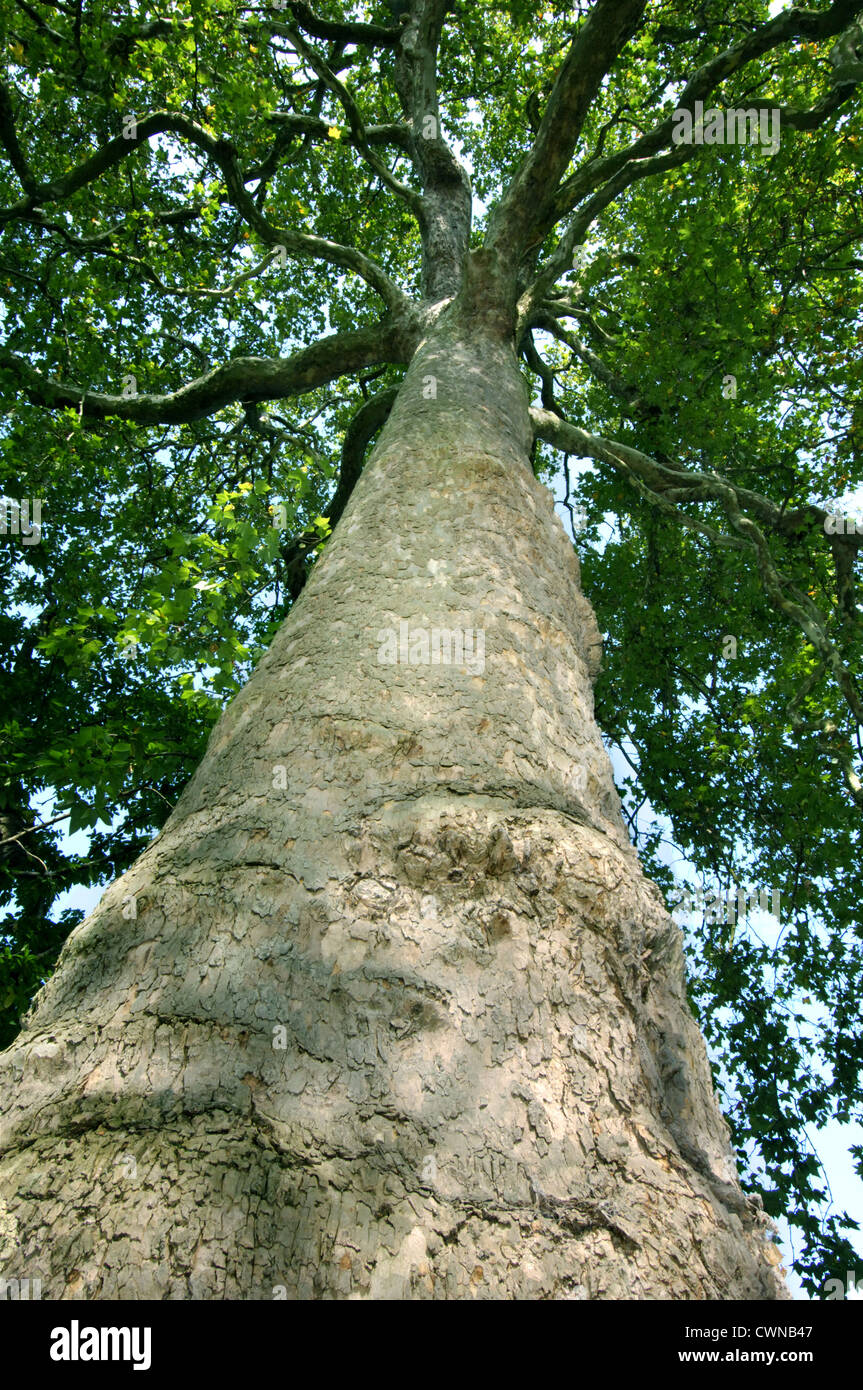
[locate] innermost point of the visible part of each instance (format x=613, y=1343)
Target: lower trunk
x=388, y=1008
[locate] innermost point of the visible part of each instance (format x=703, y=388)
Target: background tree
x=220, y=208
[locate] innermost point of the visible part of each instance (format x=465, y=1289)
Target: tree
x=388, y=1006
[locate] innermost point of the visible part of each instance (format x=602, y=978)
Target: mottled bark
x=388, y=1008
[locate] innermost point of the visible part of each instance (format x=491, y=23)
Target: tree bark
x=388, y=1009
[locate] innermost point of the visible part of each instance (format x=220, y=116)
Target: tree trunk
x=388, y=1008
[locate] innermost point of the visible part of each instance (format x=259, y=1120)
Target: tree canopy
x=223, y=227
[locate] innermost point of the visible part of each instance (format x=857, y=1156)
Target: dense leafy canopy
x=192, y=192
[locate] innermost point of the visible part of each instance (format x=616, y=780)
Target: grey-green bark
x=388, y=1009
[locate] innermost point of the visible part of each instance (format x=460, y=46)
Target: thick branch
x=223, y=154
x=10, y=142
x=792, y=24
x=242, y=379
x=340, y=31
x=357, y=127
x=522, y=217
x=446, y=208
x=666, y=486
x=683, y=483
x=370, y=418
x=318, y=130
x=560, y=261
x=606, y=178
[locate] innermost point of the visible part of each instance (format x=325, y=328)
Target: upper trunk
x=388, y=1008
